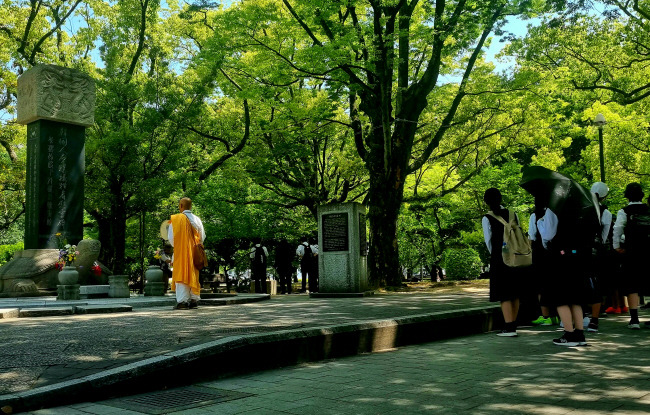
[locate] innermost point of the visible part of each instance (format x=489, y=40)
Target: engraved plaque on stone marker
x=335, y=232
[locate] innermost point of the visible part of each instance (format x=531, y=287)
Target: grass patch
x=472, y=286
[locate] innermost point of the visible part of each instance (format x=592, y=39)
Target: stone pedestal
x=94, y=291
x=154, y=289
x=118, y=286
x=154, y=284
x=271, y=287
x=68, y=292
x=56, y=104
x=342, y=245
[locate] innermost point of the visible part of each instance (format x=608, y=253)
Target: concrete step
x=9, y=312
x=102, y=309
x=46, y=312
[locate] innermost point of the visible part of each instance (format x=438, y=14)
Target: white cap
x=600, y=188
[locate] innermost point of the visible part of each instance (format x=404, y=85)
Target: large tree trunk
x=385, y=195
x=383, y=210
x=118, y=241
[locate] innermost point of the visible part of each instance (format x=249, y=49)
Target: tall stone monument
x=56, y=104
x=342, y=246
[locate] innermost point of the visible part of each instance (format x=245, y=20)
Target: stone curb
x=46, y=312
x=86, y=307
x=102, y=309
x=223, y=357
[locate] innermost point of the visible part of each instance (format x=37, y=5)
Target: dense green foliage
x=7, y=251
x=262, y=110
x=462, y=264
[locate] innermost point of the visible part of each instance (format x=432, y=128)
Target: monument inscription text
x=335, y=232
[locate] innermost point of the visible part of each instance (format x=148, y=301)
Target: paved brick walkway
x=41, y=351
x=479, y=374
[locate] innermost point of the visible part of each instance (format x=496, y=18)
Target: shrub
x=462, y=264
x=7, y=252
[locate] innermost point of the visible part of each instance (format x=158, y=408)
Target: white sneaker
x=585, y=322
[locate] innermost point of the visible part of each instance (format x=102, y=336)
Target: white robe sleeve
x=170, y=234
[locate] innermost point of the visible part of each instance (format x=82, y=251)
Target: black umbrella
x=560, y=193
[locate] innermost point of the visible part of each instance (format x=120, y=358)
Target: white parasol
x=164, y=227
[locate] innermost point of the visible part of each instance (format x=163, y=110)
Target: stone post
x=56, y=104
x=342, y=246
x=118, y=286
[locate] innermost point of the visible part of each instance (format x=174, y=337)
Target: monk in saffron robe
x=185, y=230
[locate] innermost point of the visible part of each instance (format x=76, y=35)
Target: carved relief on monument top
x=55, y=93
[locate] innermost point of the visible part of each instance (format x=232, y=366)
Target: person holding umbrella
x=503, y=284
x=567, y=230
x=540, y=268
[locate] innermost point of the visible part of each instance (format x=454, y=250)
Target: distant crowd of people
x=574, y=263
x=306, y=254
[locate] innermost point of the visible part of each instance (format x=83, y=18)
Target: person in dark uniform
x=604, y=262
x=259, y=255
x=503, y=284
x=305, y=253
x=313, y=272
x=540, y=269
x=283, y=265
x=631, y=221
x=569, y=240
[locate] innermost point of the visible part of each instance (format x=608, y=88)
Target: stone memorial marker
x=342, y=259
x=56, y=104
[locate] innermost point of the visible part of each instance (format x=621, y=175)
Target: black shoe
x=579, y=336
x=507, y=333
x=181, y=306
x=567, y=339
x=193, y=304
x=592, y=327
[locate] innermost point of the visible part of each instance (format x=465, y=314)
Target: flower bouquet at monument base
x=67, y=255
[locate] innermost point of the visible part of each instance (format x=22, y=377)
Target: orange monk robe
x=184, y=270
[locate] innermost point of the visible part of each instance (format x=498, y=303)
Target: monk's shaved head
x=186, y=203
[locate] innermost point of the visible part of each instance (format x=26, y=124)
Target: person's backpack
x=307, y=255
x=637, y=230
x=260, y=256
x=516, y=250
